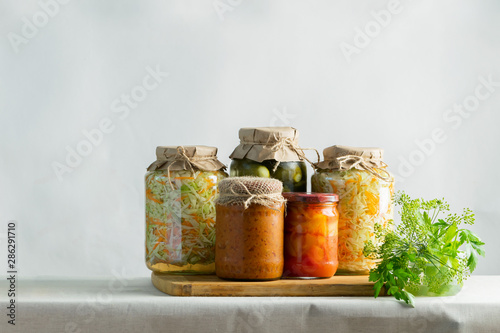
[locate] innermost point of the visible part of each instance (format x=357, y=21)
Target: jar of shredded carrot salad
x=181, y=188
x=365, y=187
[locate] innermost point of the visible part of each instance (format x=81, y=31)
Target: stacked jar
x=271, y=152
x=365, y=187
x=181, y=188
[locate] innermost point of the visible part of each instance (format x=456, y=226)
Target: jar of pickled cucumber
x=181, y=188
x=365, y=187
x=271, y=152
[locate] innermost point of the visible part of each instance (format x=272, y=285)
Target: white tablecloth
x=134, y=305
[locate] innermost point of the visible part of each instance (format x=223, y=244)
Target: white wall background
x=264, y=60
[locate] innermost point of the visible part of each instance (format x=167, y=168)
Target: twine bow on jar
x=190, y=158
x=182, y=156
x=251, y=190
x=270, y=143
x=370, y=159
x=283, y=142
x=265, y=199
x=352, y=161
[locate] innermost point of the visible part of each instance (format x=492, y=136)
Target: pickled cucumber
x=241, y=168
x=292, y=174
x=288, y=174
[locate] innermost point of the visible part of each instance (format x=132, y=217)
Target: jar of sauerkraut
x=271, y=152
x=365, y=187
x=181, y=188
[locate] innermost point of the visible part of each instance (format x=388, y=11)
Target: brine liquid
x=188, y=269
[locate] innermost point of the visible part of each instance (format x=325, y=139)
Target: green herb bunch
x=423, y=250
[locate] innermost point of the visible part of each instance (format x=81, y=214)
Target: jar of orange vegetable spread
x=311, y=223
x=181, y=188
x=365, y=187
x=249, y=229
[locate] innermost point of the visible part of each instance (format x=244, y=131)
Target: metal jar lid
x=308, y=197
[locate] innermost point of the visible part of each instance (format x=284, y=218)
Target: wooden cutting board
x=211, y=285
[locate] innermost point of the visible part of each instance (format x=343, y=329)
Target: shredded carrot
x=151, y=197
x=334, y=188
x=156, y=223
x=176, y=229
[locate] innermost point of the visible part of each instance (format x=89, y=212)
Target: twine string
x=283, y=143
x=234, y=197
x=182, y=156
x=363, y=163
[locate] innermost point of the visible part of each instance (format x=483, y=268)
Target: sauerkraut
x=180, y=220
x=365, y=202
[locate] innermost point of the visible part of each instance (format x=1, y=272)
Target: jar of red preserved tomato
x=311, y=235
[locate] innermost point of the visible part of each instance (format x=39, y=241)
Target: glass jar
x=271, y=152
x=311, y=230
x=433, y=273
x=365, y=189
x=180, y=213
x=292, y=174
x=249, y=241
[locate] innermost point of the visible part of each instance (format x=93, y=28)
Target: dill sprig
x=424, y=249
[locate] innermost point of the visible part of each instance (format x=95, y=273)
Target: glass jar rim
x=310, y=197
